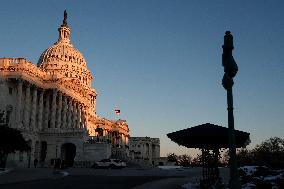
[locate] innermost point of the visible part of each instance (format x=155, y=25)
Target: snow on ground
x=272, y=178
x=249, y=185
x=4, y=171
x=190, y=186
x=249, y=170
x=64, y=173
x=170, y=167
x=196, y=186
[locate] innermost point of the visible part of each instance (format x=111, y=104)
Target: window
x=10, y=90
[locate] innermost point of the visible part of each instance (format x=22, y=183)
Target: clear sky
x=159, y=61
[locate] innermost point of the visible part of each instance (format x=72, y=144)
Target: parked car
x=109, y=163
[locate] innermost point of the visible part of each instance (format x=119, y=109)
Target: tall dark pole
x=230, y=69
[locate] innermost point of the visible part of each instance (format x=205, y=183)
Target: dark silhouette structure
x=230, y=69
x=210, y=139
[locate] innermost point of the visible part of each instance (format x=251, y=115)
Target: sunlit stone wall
x=53, y=103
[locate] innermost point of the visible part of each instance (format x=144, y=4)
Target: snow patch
x=190, y=186
x=249, y=185
x=249, y=170
x=64, y=173
x=170, y=167
x=4, y=171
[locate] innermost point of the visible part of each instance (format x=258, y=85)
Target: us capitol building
x=53, y=104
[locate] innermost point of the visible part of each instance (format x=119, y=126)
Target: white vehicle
x=109, y=163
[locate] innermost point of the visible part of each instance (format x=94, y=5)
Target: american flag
x=117, y=111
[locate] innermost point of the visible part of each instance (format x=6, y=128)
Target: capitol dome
x=63, y=58
x=61, y=52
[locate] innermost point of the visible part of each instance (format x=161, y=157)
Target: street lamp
x=230, y=69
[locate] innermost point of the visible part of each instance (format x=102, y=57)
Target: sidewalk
x=28, y=174
x=177, y=183
x=169, y=183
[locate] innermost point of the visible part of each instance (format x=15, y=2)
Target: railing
x=24, y=66
x=14, y=60
x=9, y=60
x=98, y=140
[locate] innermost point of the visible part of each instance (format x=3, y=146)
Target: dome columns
x=64, y=34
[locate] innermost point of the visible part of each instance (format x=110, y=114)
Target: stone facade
x=53, y=103
x=144, y=150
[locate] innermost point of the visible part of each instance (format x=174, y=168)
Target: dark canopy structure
x=208, y=136
x=210, y=139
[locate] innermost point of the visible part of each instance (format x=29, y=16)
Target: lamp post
x=230, y=69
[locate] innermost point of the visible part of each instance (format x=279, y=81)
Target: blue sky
x=160, y=61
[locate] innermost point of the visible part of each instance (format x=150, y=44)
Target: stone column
x=85, y=117
x=126, y=139
x=27, y=107
x=46, y=111
x=81, y=116
x=75, y=110
x=94, y=105
x=64, y=112
x=33, y=111
x=40, y=110
x=59, y=110
x=73, y=114
x=69, y=113
x=53, y=109
x=74, y=118
x=19, y=102
x=77, y=116
x=104, y=132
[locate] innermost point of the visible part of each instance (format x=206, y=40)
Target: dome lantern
x=64, y=31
